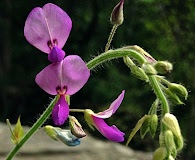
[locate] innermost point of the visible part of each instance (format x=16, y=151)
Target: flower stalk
x=33, y=129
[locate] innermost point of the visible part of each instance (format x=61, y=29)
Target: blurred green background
x=163, y=28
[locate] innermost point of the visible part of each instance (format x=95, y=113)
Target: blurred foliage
x=163, y=28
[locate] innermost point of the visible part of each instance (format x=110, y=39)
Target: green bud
x=160, y=153
x=116, y=17
x=171, y=158
x=171, y=122
x=169, y=142
x=163, y=67
x=172, y=97
x=153, y=124
x=145, y=126
x=179, y=90
x=75, y=127
x=135, y=70
x=149, y=69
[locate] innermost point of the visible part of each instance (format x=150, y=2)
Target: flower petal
x=46, y=25
x=71, y=73
x=110, y=132
x=74, y=74
x=50, y=78
x=66, y=137
x=56, y=55
x=112, y=109
x=60, y=111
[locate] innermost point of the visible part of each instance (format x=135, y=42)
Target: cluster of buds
x=170, y=140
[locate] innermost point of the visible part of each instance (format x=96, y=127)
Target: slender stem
x=117, y=53
x=158, y=91
x=112, y=32
x=33, y=129
x=77, y=110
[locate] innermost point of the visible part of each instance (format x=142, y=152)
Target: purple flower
x=48, y=29
x=63, y=78
x=97, y=120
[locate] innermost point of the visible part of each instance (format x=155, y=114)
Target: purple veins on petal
x=60, y=111
x=110, y=132
x=47, y=27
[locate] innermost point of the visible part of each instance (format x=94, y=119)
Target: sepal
x=17, y=133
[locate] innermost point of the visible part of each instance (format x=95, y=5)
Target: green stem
x=158, y=91
x=117, y=53
x=77, y=110
x=114, y=28
x=33, y=129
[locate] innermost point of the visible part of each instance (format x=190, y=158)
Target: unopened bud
x=160, y=153
x=75, y=127
x=171, y=122
x=179, y=90
x=172, y=97
x=149, y=69
x=171, y=158
x=169, y=142
x=135, y=70
x=163, y=67
x=153, y=124
x=116, y=17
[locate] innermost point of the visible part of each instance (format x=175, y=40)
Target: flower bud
x=169, y=142
x=116, y=17
x=153, y=124
x=163, y=67
x=135, y=70
x=179, y=90
x=172, y=97
x=75, y=127
x=160, y=153
x=149, y=69
x=171, y=122
x=171, y=158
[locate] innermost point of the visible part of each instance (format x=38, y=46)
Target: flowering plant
x=47, y=29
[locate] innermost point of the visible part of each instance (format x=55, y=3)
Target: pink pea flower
x=48, y=29
x=63, y=78
x=97, y=120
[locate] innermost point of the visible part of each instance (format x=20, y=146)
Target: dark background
x=163, y=28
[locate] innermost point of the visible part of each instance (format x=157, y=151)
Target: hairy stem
x=159, y=93
x=33, y=129
x=112, y=32
x=118, y=53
